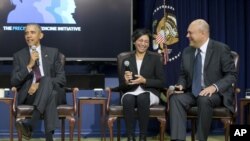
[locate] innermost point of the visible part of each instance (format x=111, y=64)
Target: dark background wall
x=229, y=22
x=228, y=19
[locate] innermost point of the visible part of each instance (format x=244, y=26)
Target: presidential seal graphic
x=165, y=31
x=167, y=25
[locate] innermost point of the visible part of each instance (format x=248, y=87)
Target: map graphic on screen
x=81, y=29
x=42, y=11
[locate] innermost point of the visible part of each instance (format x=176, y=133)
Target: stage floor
x=211, y=138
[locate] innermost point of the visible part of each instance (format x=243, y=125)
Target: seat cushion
x=155, y=111
x=65, y=110
x=218, y=112
x=26, y=110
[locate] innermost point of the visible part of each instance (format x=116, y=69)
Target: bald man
x=216, y=75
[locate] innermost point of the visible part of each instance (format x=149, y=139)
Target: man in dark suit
x=38, y=76
x=212, y=87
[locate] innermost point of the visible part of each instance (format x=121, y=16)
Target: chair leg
x=227, y=132
x=193, y=126
x=63, y=130
x=118, y=129
x=110, y=124
x=226, y=123
x=19, y=133
x=162, y=121
x=72, y=125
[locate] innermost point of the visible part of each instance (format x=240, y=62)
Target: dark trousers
x=180, y=103
x=44, y=101
x=142, y=103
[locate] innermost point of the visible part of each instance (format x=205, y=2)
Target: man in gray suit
x=212, y=86
x=38, y=76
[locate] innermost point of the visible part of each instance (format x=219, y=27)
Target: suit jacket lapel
x=208, y=54
x=192, y=59
x=45, y=60
x=145, y=61
x=26, y=57
x=133, y=64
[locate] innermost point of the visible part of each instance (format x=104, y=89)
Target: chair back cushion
x=62, y=58
x=236, y=59
x=61, y=98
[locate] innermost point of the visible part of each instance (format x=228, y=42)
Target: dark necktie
x=36, y=69
x=196, y=83
x=37, y=73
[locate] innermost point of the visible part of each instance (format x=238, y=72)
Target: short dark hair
x=140, y=32
x=34, y=24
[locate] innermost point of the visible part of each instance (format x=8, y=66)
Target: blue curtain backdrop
x=165, y=12
x=229, y=22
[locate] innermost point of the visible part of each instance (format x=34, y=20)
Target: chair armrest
x=169, y=91
x=236, y=92
x=13, y=91
x=72, y=91
x=108, y=91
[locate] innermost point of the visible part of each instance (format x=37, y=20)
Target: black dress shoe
x=49, y=136
x=142, y=138
x=25, y=129
x=131, y=138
